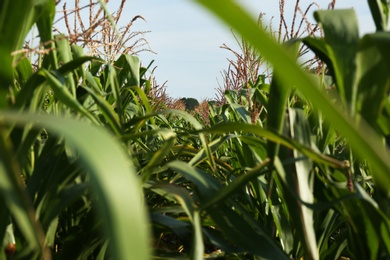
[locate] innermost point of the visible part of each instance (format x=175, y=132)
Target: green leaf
x=204, y=182
x=113, y=178
x=24, y=70
x=363, y=139
x=278, y=96
x=64, y=95
x=241, y=112
x=301, y=181
x=16, y=199
x=202, y=156
x=182, y=196
x=237, y=184
x=341, y=26
x=310, y=152
x=373, y=62
x=4, y=221
x=76, y=64
x=380, y=13
x=6, y=74
x=105, y=108
x=158, y=157
x=17, y=18
x=247, y=235
x=46, y=11
x=129, y=73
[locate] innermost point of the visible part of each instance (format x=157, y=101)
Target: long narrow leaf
x=113, y=178
x=363, y=139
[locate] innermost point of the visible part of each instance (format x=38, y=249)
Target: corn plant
x=92, y=169
x=297, y=179
x=62, y=193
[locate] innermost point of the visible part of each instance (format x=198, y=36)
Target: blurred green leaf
x=17, y=18
x=341, y=26
x=24, y=70
x=15, y=197
x=380, y=13
x=373, y=62
x=64, y=95
x=47, y=10
x=182, y=196
x=112, y=176
x=301, y=181
x=278, y=96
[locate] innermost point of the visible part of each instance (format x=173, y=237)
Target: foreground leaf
x=362, y=138
x=112, y=176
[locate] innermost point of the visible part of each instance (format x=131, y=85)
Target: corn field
x=96, y=162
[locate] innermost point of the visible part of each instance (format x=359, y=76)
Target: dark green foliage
x=190, y=103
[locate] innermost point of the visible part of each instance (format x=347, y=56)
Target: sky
x=187, y=39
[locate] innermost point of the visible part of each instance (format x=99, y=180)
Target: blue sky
x=186, y=39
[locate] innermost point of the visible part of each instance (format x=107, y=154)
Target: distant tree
x=190, y=103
